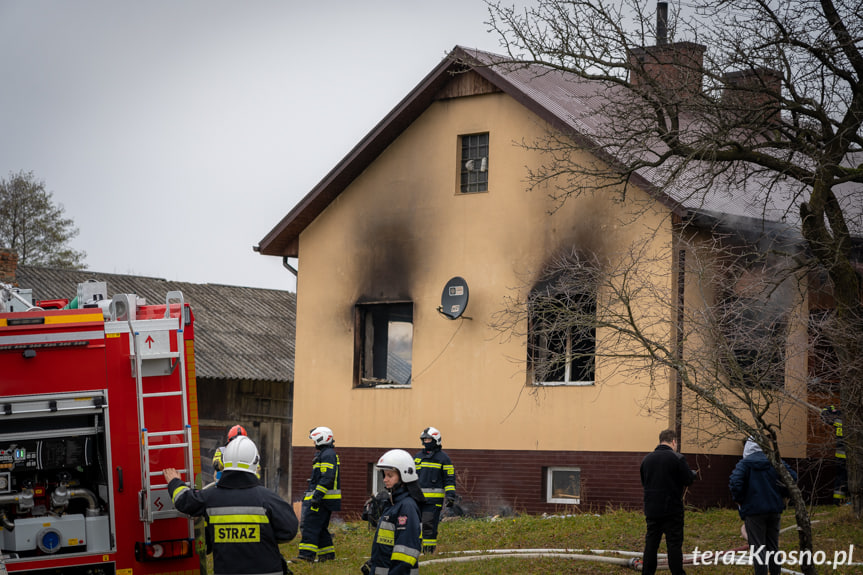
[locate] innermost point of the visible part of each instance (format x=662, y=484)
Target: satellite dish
x=453, y=301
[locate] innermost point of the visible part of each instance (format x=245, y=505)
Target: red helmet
x=236, y=431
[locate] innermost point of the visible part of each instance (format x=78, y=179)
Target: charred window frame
x=383, y=342
x=756, y=336
x=473, y=163
x=824, y=373
x=562, y=337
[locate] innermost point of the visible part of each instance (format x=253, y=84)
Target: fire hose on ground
x=629, y=559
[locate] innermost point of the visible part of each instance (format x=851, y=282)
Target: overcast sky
x=177, y=133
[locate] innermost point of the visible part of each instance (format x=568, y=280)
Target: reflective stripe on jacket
x=436, y=474
x=245, y=522
x=397, y=542
x=324, y=482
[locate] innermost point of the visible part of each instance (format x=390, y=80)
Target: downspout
x=678, y=391
x=293, y=270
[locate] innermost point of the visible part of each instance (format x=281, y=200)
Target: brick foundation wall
x=491, y=482
x=8, y=265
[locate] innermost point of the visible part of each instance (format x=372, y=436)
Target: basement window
x=383, y=344
x=563, y=485
x=473, y=162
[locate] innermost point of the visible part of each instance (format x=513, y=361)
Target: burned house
x=430, y=279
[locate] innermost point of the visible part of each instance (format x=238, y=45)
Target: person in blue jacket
x=760, y=495
x=398, y=539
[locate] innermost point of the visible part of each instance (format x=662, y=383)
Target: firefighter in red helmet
x=233, y=433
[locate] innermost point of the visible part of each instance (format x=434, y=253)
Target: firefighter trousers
x=430, y=519
x=317, y=539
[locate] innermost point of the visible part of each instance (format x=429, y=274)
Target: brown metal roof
x=570, y=104
x=241, y=333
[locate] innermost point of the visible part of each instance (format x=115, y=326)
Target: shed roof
x=240, y=332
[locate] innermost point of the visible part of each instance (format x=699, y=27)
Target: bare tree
x=727, y=346
x=760, y=101
x=34, y=226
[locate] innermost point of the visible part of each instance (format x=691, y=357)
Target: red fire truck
x=95, y=400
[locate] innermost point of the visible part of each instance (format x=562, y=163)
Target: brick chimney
x=675, y=69
x=8, y=265
x=753, y=94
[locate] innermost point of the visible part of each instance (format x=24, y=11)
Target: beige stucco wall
x=400, y=231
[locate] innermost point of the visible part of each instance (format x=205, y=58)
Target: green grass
x=834, y=529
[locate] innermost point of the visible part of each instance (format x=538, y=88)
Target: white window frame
x=549, y=493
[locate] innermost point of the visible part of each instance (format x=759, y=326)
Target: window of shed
x=563, y=485
x=473, y=163
x=383, y=344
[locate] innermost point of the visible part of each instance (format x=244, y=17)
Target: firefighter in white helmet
x=320, y=500
x=437, y=480
x=245, y=520
x=396, y=546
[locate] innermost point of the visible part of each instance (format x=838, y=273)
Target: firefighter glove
x=366, y=569
x=450, y=501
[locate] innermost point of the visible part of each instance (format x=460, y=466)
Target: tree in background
x=762, y=96
x=34, y=226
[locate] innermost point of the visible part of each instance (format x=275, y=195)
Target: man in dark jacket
x=760, y=495
x=320, y=500
x=245, y=520
x=664, y=475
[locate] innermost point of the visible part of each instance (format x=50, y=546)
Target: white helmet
x=321, y=435
x=431, y=433
x=401, y=461
x=241, y=455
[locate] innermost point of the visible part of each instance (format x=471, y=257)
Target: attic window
x=383, y=344
x=473, y=163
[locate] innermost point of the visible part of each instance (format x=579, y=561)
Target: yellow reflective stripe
x=177, y=491
x=239, y=519
x=406, y=558
x=429, y=465
x=386, y=537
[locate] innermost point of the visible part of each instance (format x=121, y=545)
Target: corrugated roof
x=240, y=332
x=574, y=105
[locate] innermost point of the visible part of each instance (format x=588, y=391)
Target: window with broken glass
x=474, y=163
x=562, y=336
x=755, y=335
x=383, y=344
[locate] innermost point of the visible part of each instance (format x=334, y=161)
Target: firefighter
x=396, y=546
x=233, y=433
x=437, y=480
x=832, y=416
x=322, y=498
x=245, y=520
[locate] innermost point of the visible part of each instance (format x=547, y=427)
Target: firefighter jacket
x=436, y=474
x=245, y=522
x=396, y=546
x=324, y=485
x=833, y=416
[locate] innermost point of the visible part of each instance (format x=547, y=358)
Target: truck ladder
x=152, y=356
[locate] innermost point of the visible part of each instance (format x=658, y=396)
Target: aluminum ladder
x=152, y=356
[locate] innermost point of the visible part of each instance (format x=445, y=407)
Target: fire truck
x=97, y=397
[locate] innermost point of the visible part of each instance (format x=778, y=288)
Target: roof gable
x=463, y=72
